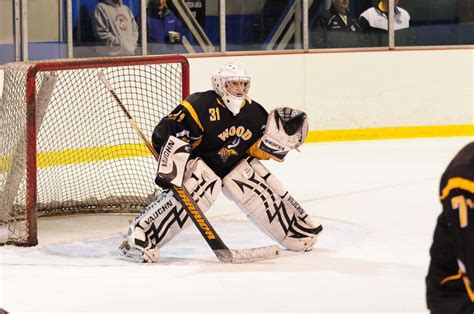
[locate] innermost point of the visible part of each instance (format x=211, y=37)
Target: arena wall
x=361, y=95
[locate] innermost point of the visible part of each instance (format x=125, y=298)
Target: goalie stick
x=220, y=249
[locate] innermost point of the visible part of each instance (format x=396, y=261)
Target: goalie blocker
x=174, y=156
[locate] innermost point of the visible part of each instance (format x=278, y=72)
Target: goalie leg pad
x=269, y=205
x=202, y=183
x=160, y=221
x=164, y=218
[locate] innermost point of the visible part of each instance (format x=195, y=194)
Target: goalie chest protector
x=225, y=138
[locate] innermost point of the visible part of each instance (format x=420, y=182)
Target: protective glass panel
x=103, y=28
x=180, y=26
x=374, y=22
x=7, y=41
x=263, y=25
x=335, y=24
x=441, y=22
x=46, y=29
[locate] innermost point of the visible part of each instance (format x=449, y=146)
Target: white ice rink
x=377, y=201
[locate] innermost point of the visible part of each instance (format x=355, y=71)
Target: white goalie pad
x=173, y=158
x=160, y=221
x=164, y=218
x=269, y=205
x=286, y=129
x=202, y=183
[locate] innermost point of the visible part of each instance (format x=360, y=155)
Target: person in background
x=374, y=22
x=115, y=28
x=164, y=29
x=337, y=27
x=450, y=279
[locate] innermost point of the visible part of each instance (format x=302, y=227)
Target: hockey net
x=65, y=145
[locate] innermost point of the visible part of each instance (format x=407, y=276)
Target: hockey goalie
x=213, y=141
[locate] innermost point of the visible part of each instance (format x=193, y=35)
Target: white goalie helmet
x=232, y=84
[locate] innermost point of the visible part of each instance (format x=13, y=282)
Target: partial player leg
x=164, y=218
x=269, y=205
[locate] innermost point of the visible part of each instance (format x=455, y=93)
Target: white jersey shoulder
x=377, y=19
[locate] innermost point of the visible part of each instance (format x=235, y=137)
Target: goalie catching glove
x=286, y=129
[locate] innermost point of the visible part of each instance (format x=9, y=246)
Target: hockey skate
x=134, y=249
x=139, y=255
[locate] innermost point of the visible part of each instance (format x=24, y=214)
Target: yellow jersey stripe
x=457, y=183
x=220, y=102
x=256, y=152
x=450, y=278
x=193, y=113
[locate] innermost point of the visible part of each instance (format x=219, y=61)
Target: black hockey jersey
x=216, y=135
x=450, y=279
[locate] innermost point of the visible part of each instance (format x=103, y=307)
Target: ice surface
x=377, y=201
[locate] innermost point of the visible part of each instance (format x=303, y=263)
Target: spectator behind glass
x=374, y=21
x=337, y=27
x=115, y=28
x=164, y=29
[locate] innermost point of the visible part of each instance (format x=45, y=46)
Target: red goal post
x=65, y=146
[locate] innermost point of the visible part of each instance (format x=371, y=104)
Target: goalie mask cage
x=65, y=145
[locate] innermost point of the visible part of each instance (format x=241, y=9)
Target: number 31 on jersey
x=215, y=114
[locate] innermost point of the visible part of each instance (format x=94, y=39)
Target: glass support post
x=17, y=30
x=69, y=39
x=24, y=30
x=222, y=30
x=391, y=24
x=143, y=24
x=305, y=25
